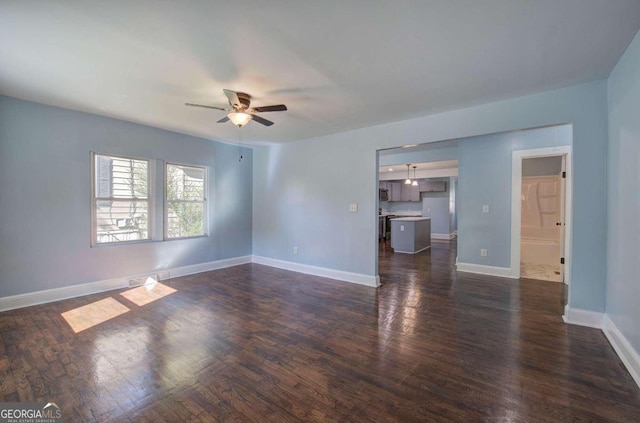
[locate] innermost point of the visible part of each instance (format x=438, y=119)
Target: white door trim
x=516, y=203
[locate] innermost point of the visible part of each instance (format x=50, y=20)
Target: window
x=185, y=201
x=120, y=203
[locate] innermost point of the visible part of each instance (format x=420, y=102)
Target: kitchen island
x=410, y=234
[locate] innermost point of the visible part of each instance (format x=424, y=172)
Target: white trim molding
x=50, y=295
x=628, y=355
x=503, y=272
x=412, y=252
x=358, y=278
x=577, y=316
x=516, y=203
x=205, y=267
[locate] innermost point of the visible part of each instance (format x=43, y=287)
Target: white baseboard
x=628, y=355
x=324, y=272
x=50, y=295
x=412, y=252
x=503, y=272
x=576, y=316
x=205, y=267
x=443, y=236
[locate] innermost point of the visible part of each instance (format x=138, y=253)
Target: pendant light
x=415, y=181
x=408, y=180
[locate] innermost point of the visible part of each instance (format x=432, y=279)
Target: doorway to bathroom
x=542, y=218
x=541, y=207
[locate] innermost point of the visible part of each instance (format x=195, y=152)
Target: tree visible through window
x=185, y=210
x=121, y=199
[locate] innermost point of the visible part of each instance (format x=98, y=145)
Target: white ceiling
x=337, y=65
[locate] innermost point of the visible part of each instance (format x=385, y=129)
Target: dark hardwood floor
x=258, y=344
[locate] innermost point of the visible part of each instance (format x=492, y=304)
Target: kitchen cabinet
x=395, y=191
x=432, y=186
x=410, y=234
x=398, y=191
x=410, y=193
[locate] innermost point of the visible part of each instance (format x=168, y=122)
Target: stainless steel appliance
x=384, y=227
x=388, y=226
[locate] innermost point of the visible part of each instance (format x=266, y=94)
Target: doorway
x=542, y=220
x=541, y=214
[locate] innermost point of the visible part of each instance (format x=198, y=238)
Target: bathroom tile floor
x=542, y=272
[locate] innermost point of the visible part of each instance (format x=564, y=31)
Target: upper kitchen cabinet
x=433, y=186
x=410, y=193
x=398, y=191
x=395, y=191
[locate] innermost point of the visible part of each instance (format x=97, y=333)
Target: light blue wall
x=438, y=210
x=484, y=178
x=45, y=198
x=302, y=197
x=436, y=206
x=623, y=223
x=302, y=190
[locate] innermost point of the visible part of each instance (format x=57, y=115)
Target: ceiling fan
x=240, y=112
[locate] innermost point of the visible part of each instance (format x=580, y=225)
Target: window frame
x=93, y=200
x=205, y=201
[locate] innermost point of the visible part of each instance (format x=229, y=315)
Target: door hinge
x=564, y=174
x=561, y=260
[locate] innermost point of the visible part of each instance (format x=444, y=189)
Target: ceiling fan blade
x=273, y=108
x=206, y=107
x=233, y=97
x=223, y=120
x=261, y=120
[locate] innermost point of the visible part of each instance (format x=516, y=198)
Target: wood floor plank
x=258, y=344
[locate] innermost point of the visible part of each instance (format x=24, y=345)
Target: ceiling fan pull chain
x=240, y=144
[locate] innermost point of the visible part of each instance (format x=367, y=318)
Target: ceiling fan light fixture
x=239, y=118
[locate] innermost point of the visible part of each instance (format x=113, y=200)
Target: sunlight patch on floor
x=147, y=293
x=87, y=316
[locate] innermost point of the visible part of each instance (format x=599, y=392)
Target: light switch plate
x=353, y=207
x=485, y=208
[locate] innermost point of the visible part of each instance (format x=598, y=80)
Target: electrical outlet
x=483, y=252
x=401, y=228
x=485, y=208
x=295, y=250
